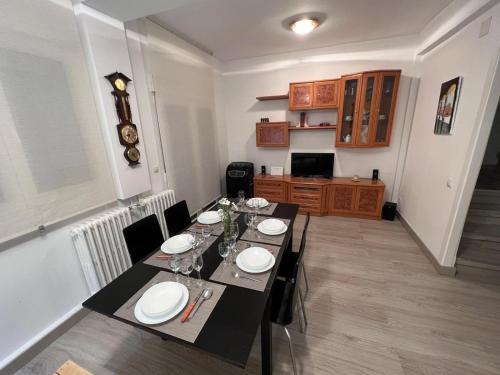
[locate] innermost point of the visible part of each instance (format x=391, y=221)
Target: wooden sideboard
x=322, y=196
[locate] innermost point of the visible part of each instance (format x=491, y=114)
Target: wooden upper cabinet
x=366, y=111
x=350, y=89
x=386, y=105
x=326, y=94
x=272, y=134
x=300, y=95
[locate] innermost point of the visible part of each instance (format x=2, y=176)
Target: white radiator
x=158, y=203
x=101, y=247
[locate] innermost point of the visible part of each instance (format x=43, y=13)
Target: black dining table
x=230, y=330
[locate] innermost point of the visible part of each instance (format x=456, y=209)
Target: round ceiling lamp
x=304, y=25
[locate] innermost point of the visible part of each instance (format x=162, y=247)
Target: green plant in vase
x=225, y=207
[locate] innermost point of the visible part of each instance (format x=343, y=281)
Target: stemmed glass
x=241, y=197
x=198, y=265
x=175, y=265
x=186, y=269
x=235, y=232
x=250, y=219
x=223, y=252
x=206, y=231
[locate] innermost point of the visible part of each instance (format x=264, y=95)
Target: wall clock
x=127, y=131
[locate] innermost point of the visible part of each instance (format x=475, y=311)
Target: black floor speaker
x=389, y=211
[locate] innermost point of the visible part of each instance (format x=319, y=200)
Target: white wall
x=42, y=285
x=425, y=201
x=106, y=48
x=244, y=80
x=183, y=78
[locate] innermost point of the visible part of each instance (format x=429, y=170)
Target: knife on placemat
x=190, y=308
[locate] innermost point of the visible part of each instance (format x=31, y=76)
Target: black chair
x=290, y=259
x=142, y=237
x=286, y=296
x=177, y=218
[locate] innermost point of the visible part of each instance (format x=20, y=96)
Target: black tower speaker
x=239, y=176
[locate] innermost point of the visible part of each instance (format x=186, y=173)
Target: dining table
x=234, y=322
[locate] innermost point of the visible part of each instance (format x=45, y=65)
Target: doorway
x=480, y=243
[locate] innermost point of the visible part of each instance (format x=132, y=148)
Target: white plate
x=141, y=317
x=161, y=299
x=245, y=269
x=257, y=202
x=178, y=244
x=273, y=225
x=255, y=258
x=209, y=217
x=261, y=230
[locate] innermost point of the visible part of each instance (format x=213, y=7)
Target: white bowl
x=141, y=317
x=257, y=202
x=273, y=225
x=209, y=217
x=161, y=299
x=178, y=244
x=263, y=230
x=255, y=258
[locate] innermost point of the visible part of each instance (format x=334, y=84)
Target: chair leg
x=303, y=307
x=292, y=353
x=299, y=314
x=305, y=280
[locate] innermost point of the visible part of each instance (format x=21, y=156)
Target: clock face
x=129, y=134
x=120, y=85
x=133, y=154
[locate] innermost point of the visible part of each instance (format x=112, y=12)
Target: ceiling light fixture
x=304, y=25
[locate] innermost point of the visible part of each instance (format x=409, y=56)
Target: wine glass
x=186, y=269
x=241, y=197
x=175, y=265
x=250, y=220
x=223, y=252
x=206, y=231
x=198, y=265
x=234, y=230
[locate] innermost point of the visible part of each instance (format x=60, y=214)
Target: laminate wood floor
x=376, y=306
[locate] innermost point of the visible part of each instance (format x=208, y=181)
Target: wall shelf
x=272, y=97
x=313, y=127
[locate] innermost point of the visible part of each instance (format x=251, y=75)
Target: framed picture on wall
x=447, y=106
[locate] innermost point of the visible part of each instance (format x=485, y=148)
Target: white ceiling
x=236, y=29
x=126, y=10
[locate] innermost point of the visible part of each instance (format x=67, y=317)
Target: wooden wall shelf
x=313, y=127
x=272, y=97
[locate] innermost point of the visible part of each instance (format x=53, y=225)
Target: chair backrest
x=302, y=247
x=142, y=237
x=177, y=218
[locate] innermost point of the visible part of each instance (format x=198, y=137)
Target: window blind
x=52, y=158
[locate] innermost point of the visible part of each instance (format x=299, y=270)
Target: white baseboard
x=36, y=344
x=442, y=270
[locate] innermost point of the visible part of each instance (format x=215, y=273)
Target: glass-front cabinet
x=367, y=109
x=348, y=109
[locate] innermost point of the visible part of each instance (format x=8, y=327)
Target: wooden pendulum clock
x=127, y=131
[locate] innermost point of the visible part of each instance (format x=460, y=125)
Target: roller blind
x=183, y=80
x=52, y=158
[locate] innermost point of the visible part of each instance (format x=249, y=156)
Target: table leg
x=266, y=340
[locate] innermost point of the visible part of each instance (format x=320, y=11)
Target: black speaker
x=389, y=211
x=375, y=175
x=239, y=176
x=263, y=170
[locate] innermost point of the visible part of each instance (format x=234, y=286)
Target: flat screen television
x=312, y=165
